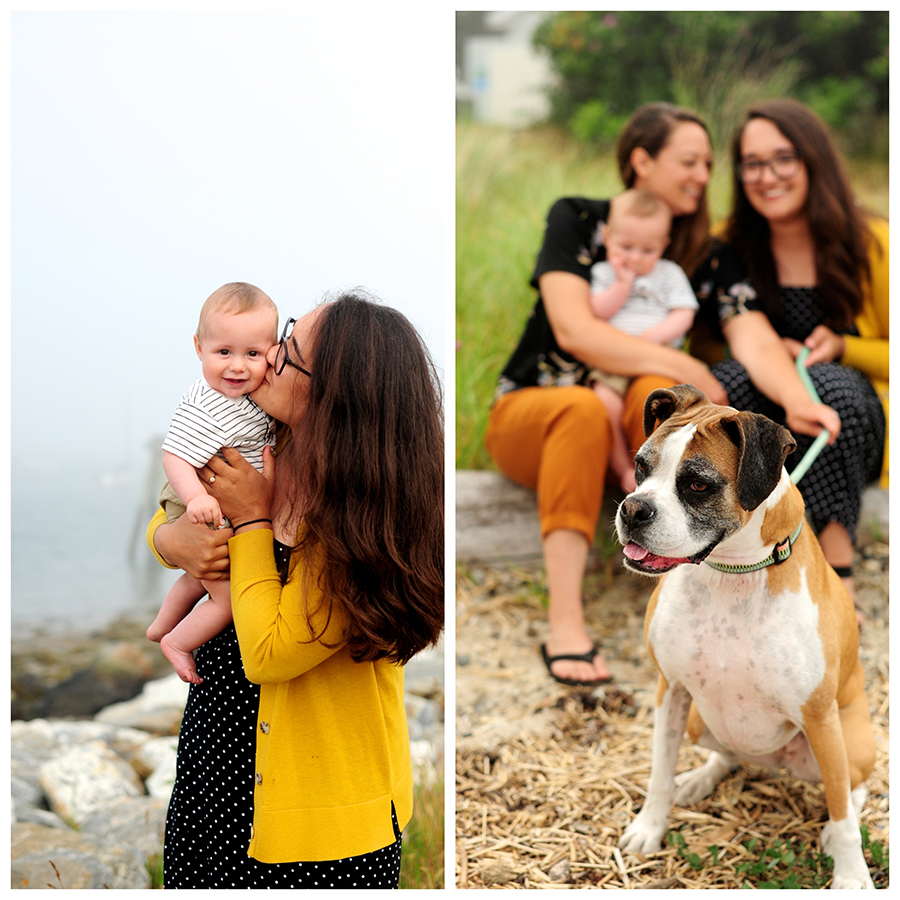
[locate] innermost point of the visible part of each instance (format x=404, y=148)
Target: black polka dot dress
x=832, y=488
x=211, y=810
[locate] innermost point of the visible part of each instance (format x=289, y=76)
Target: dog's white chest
x=749, y=660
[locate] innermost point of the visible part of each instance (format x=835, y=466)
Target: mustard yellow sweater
x=332, y=748
x=870, y=351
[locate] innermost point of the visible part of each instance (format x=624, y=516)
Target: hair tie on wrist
x=251, y=522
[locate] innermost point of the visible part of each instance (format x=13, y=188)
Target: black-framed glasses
x=783, y=166
x=281, y=357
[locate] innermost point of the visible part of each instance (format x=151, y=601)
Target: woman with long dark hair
x=299, y=774
x=547, y=428
x=802, y=265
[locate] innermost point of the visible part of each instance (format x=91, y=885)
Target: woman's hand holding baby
x=200, y=551
x=244, y=494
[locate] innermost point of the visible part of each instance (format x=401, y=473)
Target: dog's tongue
x=650, y=561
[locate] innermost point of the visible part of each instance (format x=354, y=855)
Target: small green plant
x=676, y=840
x=154, y=866
x=422, y=860
x=878, y=853
x=782, y=866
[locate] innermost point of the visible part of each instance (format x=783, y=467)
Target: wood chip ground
x=548, y=776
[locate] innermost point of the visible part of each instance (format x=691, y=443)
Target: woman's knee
x=839, y=387
x=582, y=415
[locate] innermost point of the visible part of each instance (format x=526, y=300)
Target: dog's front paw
x=849, y=883
x=840, y=840
x=644, y=835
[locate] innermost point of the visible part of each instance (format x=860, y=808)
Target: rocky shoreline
x=93, y=743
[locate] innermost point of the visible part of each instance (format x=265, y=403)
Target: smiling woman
x=559, y=441
x=336, y=582
x=803, y=269
x=775, y=180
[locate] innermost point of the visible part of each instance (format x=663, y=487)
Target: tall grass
x=422, y=860
x=506, y=182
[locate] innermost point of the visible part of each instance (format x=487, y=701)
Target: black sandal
x=575, y=657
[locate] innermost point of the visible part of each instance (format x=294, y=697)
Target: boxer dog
x=753, y=633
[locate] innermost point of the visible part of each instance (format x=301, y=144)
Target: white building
x=501, y=78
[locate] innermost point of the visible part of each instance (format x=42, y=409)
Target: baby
x=639, y=292
x=238, y=325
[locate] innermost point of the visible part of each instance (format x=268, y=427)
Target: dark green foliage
x=610, y=63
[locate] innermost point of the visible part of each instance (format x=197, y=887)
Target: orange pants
x=557, y=441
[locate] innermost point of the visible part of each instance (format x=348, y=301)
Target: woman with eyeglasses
x=294, y=765
x=800, y=266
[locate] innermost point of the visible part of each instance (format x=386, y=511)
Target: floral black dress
x=211, y=811
x=833, y=486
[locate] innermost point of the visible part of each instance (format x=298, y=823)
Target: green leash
x=817, y=445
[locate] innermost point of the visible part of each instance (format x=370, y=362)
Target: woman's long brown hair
x=368, y=459
x=840, y=233
x=650, y=128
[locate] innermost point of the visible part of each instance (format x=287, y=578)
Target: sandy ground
x=548, y=776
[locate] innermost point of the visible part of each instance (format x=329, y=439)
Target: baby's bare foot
x=182, y=661
x=155, y=633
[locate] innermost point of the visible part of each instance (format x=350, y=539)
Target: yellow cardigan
x=332, y=747
x=869, y=352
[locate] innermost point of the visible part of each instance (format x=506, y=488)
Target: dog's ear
x=665, y=402
x=763, y=447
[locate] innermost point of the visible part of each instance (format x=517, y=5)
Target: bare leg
x=565, y=555
x=838, y=550
x=181, y=599
x=620, y=460
x=203, y=623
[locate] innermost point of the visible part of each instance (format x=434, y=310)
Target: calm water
x=78, y=554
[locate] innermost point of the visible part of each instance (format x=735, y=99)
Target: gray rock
x=85, y=779
x=561, y=872
x=38, y=816
x=425, y=712
x=26, y=793
x=62, y=869
x=119, y=672
x=138, y=824
x=48, y=857
x=157, y=709
x=158, y=758
x=496, y=519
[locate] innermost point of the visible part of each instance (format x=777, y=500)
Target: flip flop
x=576, y=657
